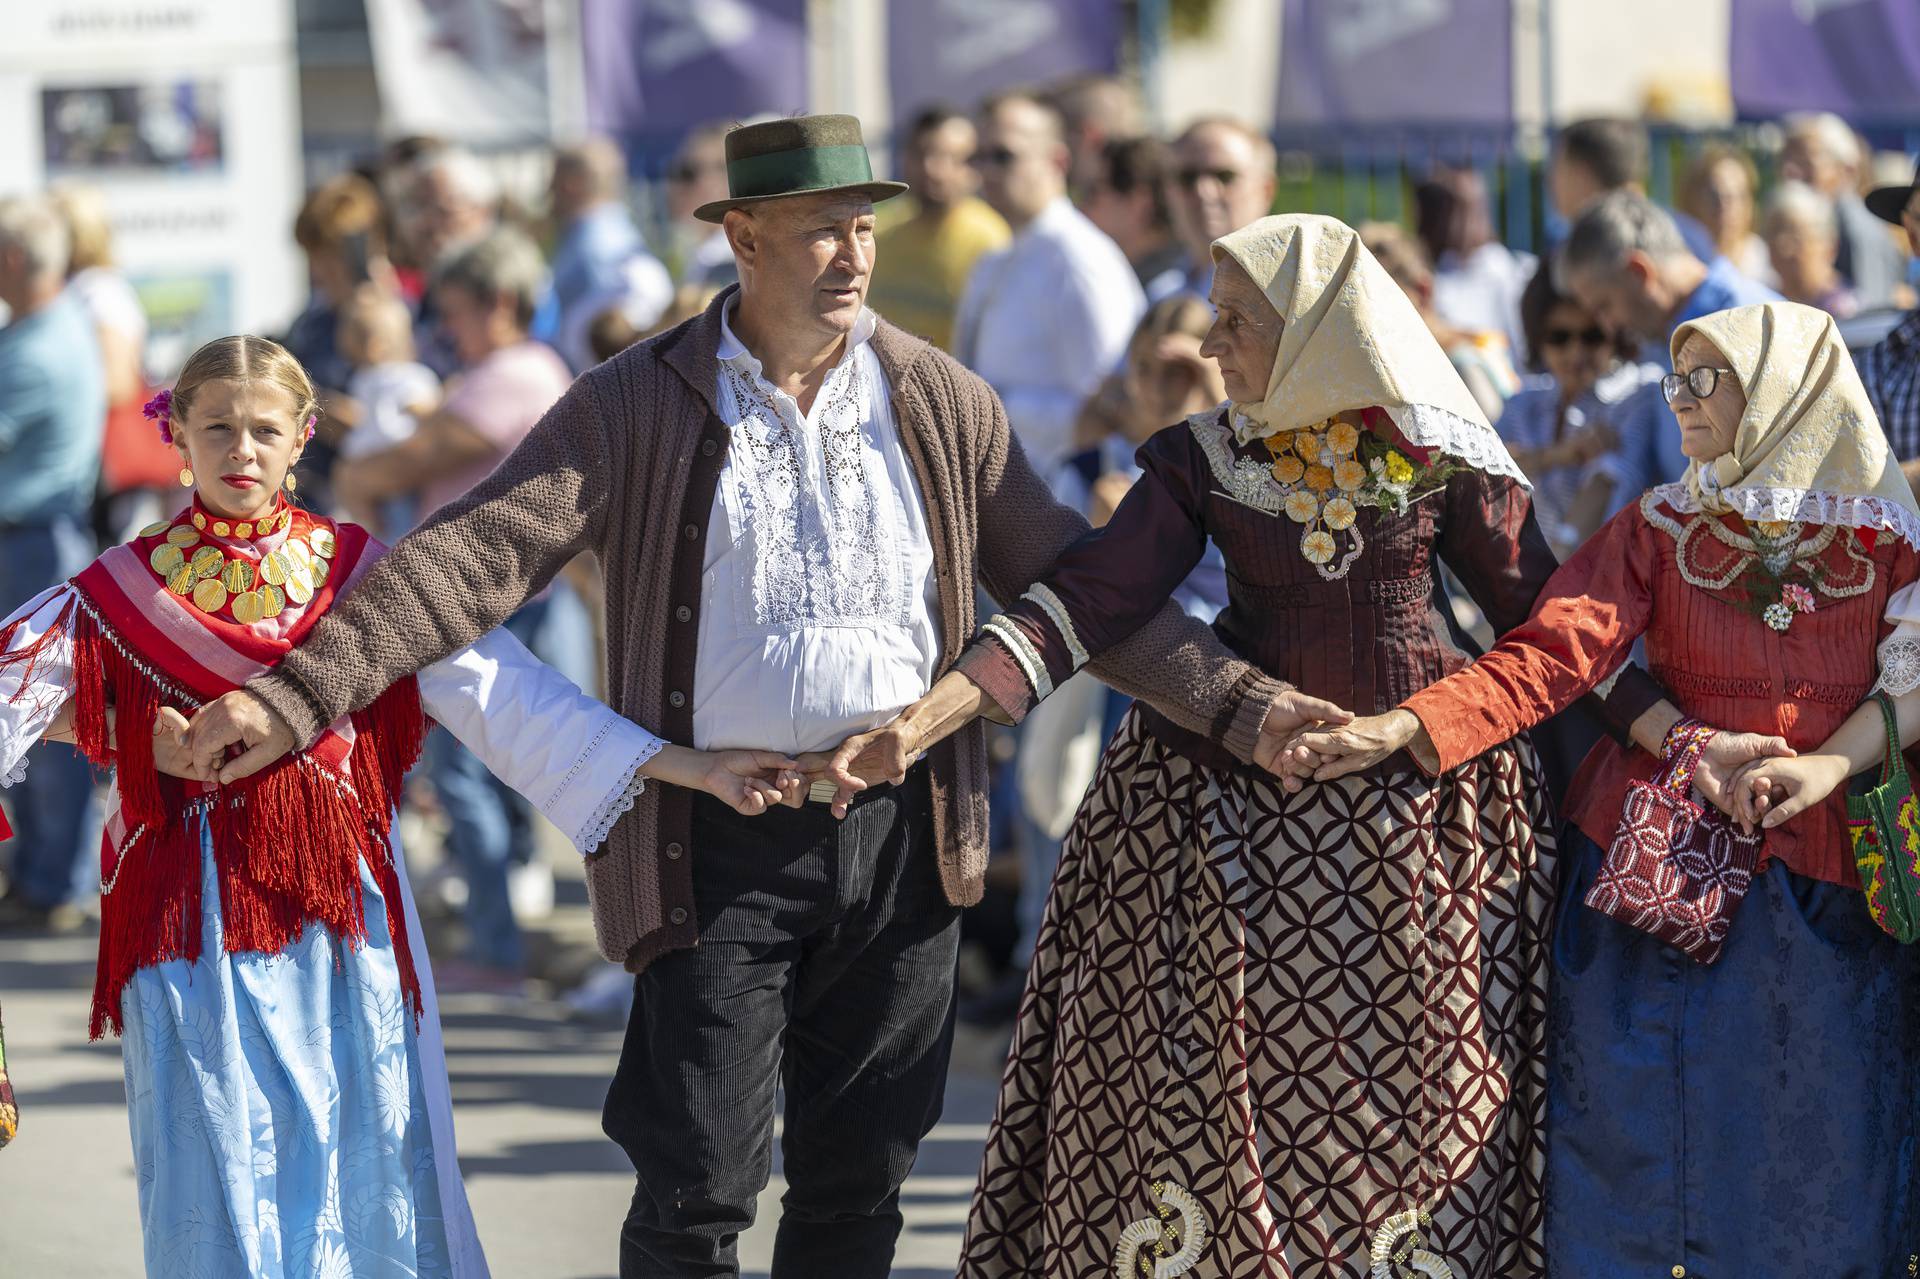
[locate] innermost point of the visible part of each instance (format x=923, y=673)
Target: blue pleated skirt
x=1755, y=1117
x=279, y=1112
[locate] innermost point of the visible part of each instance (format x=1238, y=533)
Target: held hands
x=1323, y=753
x=1769, y=792
x=1293, y=714
x=1725, y=763
x=236, y=719
x=748, y=782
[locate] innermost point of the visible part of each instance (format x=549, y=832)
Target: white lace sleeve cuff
x=1900, y=651
x=618, y=802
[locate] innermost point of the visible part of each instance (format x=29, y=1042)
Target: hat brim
x=874, y=191
x=1886, y=203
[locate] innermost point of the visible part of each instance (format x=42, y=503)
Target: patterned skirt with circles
x=1269, y=1035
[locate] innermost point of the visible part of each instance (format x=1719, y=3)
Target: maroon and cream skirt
x=1272, y=1035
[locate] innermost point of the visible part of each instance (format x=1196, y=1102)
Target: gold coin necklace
x=217, y=581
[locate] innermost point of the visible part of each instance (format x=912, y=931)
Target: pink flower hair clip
x=311, y=419
x=160, y=410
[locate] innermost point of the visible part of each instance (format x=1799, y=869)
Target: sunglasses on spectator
x=994, y=157
x=1566, y=337
x=1191, y=178
x=1700, y=381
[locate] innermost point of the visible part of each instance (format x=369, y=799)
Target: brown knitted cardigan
x=625, y=466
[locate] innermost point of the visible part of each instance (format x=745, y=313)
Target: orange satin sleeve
x=1580, y=632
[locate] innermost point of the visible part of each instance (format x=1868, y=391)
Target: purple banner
x=1860, y=58
x=655, y=68
x=1391, y=61
x=955, y=52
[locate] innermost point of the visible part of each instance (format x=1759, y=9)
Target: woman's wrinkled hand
x=1292, y=713
x=1725, y=758
x=1326, y=753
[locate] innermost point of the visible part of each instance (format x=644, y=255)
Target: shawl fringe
x=287, y=842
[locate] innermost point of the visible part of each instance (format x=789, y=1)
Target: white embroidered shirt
x=819, y=616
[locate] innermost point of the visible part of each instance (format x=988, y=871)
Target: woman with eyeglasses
x=1754, y=1115
x=1568, y=428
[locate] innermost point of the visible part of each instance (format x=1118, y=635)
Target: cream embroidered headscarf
x=1809, y=446
x=1352, y=340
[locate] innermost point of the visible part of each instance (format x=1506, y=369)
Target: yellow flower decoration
x=1317, y=546
x=1319, y=478
x=1349, y=474
x=1343, y=439
x=1288, y=470
x=1773, y=528
x=1307, y=444
x=1398, y=469
x=1278, y=443
x=1302, y=507
x=1339, y=513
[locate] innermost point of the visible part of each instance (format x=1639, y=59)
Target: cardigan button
x=709, y=448
x=692, y=531
x=683, y=614
x=678, y=915
x=673, y=852
x=676, y=699
x=1679, y=1272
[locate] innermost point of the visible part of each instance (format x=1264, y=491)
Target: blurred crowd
x=1050, y=242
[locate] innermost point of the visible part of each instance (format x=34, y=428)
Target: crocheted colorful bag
x=1883, y=820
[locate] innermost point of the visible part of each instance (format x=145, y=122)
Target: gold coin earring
x=292, y=482
x=186, y=477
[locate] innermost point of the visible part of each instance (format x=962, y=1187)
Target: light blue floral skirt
x=279, y=1109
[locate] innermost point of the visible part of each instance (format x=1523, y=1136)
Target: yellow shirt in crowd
x=921, y=266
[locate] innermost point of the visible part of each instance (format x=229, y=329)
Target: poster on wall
x=184, y=115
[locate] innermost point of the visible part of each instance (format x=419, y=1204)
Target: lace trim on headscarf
x=1474, y=443
x=1809, y=506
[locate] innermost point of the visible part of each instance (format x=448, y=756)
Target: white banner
x=185, y=115
x=475, y=71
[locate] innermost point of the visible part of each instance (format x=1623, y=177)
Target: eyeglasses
x=1191, y=178
x=1700, y=381
x=1564, y=337
x=994, y=157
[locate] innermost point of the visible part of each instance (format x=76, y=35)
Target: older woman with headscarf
x=1754, y=1115
x=1273, y=1033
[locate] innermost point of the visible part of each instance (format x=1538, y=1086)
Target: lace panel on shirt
x=822, y=556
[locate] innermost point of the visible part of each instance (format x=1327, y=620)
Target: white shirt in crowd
x=111, y=303
x=1044, y=321
x=386, y=394
x=819, y=612
x=1480, y=291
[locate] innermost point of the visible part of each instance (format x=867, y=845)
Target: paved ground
x=548, y=1189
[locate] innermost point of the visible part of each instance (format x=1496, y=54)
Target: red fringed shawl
x=287, y=842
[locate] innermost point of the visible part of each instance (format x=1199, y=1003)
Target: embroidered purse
x=1883, y=820
x=1677, y=868
x=9, y=1112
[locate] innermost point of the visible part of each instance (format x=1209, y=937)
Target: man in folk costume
x=790, y=497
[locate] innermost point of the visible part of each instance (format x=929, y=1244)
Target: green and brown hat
x=805, y=155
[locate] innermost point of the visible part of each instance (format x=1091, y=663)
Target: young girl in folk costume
x=286, y=1083
x=1754, y=1115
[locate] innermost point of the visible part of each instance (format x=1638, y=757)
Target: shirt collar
x=1907, y=332
x=733, y=351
